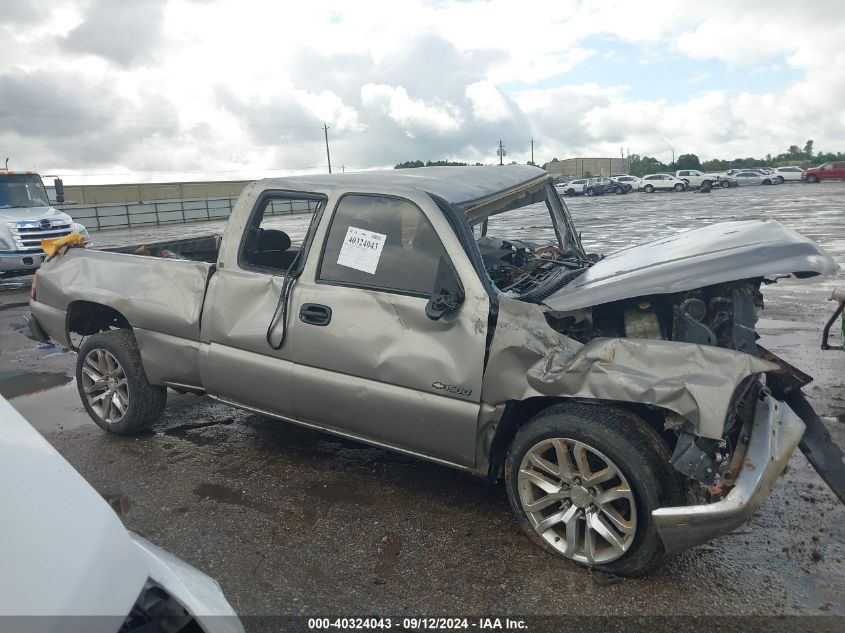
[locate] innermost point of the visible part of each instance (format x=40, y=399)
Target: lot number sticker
x=361, y=250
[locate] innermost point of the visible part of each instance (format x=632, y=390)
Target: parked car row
x=694, y=179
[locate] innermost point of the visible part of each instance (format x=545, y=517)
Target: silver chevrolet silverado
x=453, y=314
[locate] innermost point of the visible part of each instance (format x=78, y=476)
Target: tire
x=707, y=183
x=590, y=192
x=766, y=181
x=726, y=184
x=570, y=192
x=781, y=180
x=649, y=188
x=630, y=449
x=679, y=187
x=619, y=191
x=812, y=178
x=135, y=404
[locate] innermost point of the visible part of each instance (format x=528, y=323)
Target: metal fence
x=98, y=217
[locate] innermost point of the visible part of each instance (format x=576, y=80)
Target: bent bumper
x=33, y=330
x=775, y=434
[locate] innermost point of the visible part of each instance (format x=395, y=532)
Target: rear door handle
x=315, y=314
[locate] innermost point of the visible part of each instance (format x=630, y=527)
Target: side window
x=382, y=243
x=276, y=230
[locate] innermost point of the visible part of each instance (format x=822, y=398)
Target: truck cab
x=26, y=218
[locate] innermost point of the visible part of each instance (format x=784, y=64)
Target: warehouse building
x=587, y=167
x=151, y=191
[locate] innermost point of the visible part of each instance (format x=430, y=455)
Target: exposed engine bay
x=723, y=315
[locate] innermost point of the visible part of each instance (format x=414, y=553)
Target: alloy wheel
x=105, y=386
x=577, y=500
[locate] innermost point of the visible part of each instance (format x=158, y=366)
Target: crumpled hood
x=714, y=254
x=15, y=214
x=63, y=550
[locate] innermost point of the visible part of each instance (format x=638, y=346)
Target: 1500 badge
x=459, y=391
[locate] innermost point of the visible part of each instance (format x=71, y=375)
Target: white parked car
x=634, y=181
x=64, y=554
x=575, y=187
x=695, y=178
x=793, y=173
x=753, y=177
x=661, y=182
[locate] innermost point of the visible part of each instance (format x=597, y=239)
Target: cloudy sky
x=113, y=90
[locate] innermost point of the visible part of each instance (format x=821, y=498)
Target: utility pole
x=532, y=151
x=328, y=155
x=501, y=152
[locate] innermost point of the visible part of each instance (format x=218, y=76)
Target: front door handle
x=315, y=314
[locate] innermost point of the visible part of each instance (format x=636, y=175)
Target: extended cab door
x=368, y=361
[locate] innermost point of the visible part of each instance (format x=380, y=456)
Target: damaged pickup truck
x=453, y=314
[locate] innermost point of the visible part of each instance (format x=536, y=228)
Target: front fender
x=528, y=359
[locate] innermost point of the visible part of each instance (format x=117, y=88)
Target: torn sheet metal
x=528, y=358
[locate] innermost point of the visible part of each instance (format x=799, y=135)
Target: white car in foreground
x=788, y=173
x=67, y=564
x=661, y=182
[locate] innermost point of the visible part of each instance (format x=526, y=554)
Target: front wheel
x=648, y=189
x=583, y=481
x=113, y=386
x=590, y=192
x=679, y=187
x=619, y=191
x=812, y=178
x=570, y=192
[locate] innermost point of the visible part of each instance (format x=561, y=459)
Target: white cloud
x=240, y=85
x=488, y=104
x=408, y=112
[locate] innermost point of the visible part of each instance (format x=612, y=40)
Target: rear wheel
x=766, y=181
x=583, y=481
x=590, y=192
x=570, y=192
x=113, y=386
x=679, y=187
x=648, y=189
x=619, y=191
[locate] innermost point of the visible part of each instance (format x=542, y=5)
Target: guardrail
x=100, y=217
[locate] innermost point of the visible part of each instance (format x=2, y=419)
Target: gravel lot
x=294, y=522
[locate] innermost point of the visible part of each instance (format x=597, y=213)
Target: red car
x=828, y=171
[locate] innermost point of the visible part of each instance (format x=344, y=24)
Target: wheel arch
x=517, y=413
x=89, y=317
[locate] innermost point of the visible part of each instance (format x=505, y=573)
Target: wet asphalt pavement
x=291, y=521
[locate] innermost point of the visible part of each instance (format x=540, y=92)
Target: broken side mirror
x=448, y=292
x=60, y=190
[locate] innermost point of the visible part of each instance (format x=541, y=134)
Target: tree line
x=641, y=165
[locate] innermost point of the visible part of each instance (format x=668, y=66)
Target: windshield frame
x=28, y=180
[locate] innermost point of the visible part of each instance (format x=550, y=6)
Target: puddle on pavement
x=48, y=401
x=224, y=494
x=19, y=383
